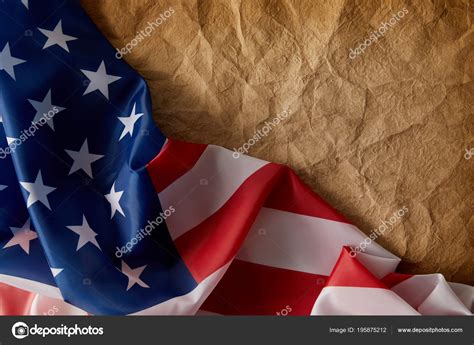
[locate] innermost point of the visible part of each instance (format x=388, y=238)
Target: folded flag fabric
x=101, y=214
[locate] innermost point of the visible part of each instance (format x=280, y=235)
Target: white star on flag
x=133, y=275
x=99, y=80
x=83, y=159
x=57, y=37
x=38, y=191
x=25, y=2
x=129, y=122
x=11, y=140
x=7, y=61
x=114, y=199
x=44, y=107
x=56, y=271
x=86, y=234
x=2, y=187
x=22, y=237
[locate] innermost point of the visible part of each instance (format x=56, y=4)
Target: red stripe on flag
x=215, y=241
x=174, y=160
x=348, y=271
x=253, y=289
x=292, y=195
x=393, y=279
x=18, y=301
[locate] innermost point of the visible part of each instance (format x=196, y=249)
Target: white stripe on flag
x=206, y=187
x=307, y=244
x=190, y=303
x=430, y=294
x=31, y=285
x=342, y=300
x=47, y=306
x=465, y=293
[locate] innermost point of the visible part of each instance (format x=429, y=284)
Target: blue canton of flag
x=76, y=137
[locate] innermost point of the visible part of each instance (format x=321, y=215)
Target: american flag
x=101, y=214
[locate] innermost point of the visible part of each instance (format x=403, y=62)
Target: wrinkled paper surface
x=386, y=129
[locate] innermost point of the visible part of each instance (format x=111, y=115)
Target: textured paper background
x=371, y=134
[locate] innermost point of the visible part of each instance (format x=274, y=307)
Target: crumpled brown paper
x=371, y=134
